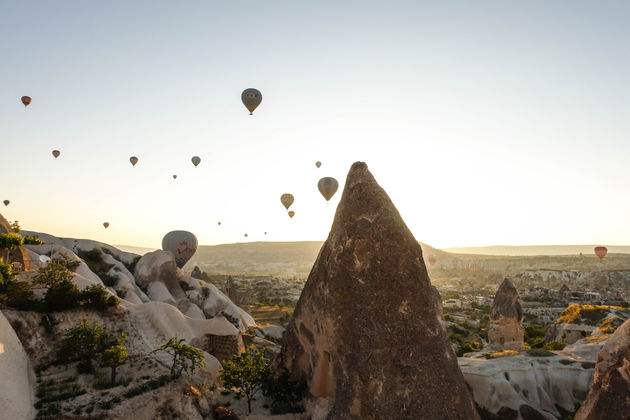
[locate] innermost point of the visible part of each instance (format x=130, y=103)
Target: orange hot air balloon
x=432, y=261
x=26, y=100
x=601, y=251
x=291, y=214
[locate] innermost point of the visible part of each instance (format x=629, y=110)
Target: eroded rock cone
x=366, y=334
x=609, y=397
x=506, y=319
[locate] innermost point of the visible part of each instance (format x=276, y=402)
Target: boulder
x=609, y=397
x=367, y=333
x=506, y=319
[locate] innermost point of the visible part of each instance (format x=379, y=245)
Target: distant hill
x=135, y=249
x=531, y=250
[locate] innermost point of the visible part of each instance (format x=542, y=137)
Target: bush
x=20, y=296
x=6, y=276
x=554, y=345
x=62, y=296
x=97, y=297
x=285, y=393
x=469, y=348
x=83, y=342
x=32, y=240
x=185, y=358
x=53, y=273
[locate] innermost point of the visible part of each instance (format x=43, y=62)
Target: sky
x=486, y=122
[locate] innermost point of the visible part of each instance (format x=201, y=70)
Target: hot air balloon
x=196, y=160
x=286, y=200
x=601, y=251
x=291, y=214
x=318, y=164
x=328, y=187
x=174, y=176
x=106, y=224
x=251, y=99
x=432, y=261
x=56, y=153
x=245, y=235
x=26, y=100
x=133, y=160
x=265, y=233
x=181, y=244
x=219, y=223
x=6, y=202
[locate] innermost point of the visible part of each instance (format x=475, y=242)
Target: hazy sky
x=486, y=122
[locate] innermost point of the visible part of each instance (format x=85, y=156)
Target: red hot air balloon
x=601, y=251
x=26, y=100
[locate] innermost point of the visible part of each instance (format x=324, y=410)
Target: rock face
x=609, y=397
x=506, y=319
x=366, y=334
x=18, y=379
x=542, y=387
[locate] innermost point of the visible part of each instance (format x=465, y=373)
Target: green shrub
x=554, y=345
x=6, y=276
x=62, y=296
x=32, y=240
x=469, y=348
x=246, y=373
x=83, y=342
x=285, y=393
x=20, y=296
x=97, y=297
x=53, y=273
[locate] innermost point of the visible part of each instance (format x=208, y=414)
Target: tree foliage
x=83, y=342
x=7, y=278
x=96, y=297
x=113, y=357
x=245, y=372
x=185, y=358
x=52, y=274
x=285, y=393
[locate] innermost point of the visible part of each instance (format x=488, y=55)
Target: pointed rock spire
x=366, y=334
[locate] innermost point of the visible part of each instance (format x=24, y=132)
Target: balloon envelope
x=318, y=164
x=6, y=202
x=56, y=153
x=133, y=160
x=174, y=176
x=196, y=160
x=245, y=235
x=328, y=187
x=106, y=225
x=26, y=100
x=601, y=251
x=291, y=214
x=286, y=200
x=251, y=99
x=181, y=244
x=219, y=223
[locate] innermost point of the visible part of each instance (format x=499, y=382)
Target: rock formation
x=609, y=397
x=506, y=319
x=543, y=386
x=366, y=334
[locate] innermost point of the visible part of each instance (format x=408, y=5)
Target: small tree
x=8, y=242
x=15, y=226
x=32, y=240
x=53, y=273
x=113, y=357
x=246, y=373
x=96, y=296
x=61, y=296
x=83, y=342
x=185, y=358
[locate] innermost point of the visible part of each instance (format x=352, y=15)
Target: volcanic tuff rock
x=506, y=319
x=609, y=397
x=366, y=333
